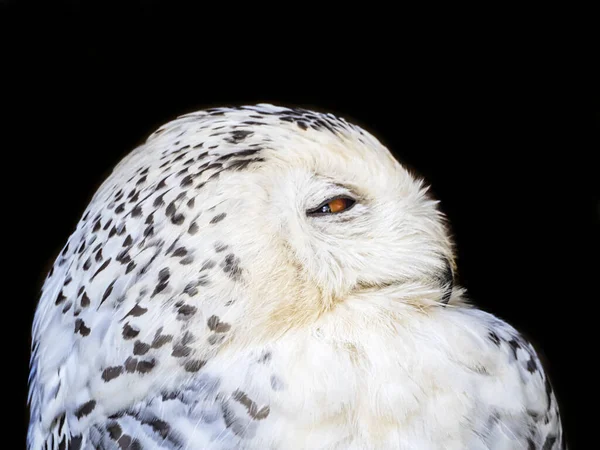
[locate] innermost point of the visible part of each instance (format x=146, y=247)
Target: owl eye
x=332, y=206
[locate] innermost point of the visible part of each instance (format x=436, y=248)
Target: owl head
x=313, y=211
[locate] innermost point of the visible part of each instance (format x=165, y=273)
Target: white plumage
x=202, y=303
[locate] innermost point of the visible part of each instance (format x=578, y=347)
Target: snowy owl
x=263, y=277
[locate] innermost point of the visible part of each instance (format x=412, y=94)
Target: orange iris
x=337, y=205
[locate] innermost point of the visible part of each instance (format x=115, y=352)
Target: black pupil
x=325, y=208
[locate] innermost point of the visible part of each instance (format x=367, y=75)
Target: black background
x=487, y=114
